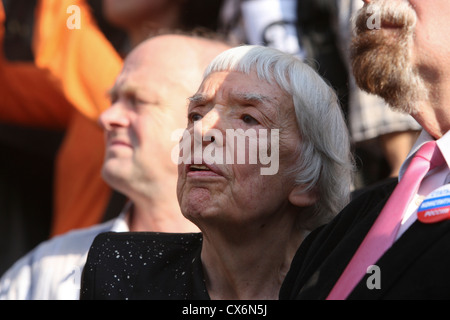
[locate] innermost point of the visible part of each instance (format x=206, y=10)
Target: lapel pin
x=436, y=206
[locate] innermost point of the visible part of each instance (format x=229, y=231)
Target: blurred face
x=125, y=13
x=149, y=101
x=232, y=192
x=400, y=46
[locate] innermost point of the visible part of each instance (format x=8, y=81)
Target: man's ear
x=301, y=198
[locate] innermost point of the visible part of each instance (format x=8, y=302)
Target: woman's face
x=235, y=188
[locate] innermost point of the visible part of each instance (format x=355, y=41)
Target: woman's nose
x=210, y=121
x=209, y=128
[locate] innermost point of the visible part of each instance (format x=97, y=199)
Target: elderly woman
x=252, y=221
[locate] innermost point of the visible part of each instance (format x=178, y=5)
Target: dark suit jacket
x=417, y=266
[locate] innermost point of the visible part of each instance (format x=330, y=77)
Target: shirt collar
x=443, y=144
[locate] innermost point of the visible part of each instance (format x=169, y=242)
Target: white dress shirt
x=52, y=271
x=436, y=178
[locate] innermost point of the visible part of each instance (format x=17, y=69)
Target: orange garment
x=65, y=88
x=83, y=60
x=25, y=92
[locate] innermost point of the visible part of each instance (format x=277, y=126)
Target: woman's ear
x=301, y=198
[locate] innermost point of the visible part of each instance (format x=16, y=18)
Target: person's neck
x=247, y=267
x=157, y=218
x=157, y=210
x=434, y=115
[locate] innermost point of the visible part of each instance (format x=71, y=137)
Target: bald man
x=148, y=103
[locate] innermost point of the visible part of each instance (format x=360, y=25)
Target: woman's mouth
x=202, y=170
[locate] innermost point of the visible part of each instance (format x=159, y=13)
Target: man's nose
x=113, y=117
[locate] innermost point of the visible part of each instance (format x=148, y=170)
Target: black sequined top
x=137, y=266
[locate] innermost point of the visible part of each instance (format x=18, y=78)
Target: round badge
x=436, y=206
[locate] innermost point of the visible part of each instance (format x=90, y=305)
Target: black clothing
x=144, y=265
x=415, y=267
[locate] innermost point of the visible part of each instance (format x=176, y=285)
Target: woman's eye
x=249, y=119
x=195, y=117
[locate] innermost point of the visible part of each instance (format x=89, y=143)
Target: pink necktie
x=383, y=232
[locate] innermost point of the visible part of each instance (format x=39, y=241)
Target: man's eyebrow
x=127, y=88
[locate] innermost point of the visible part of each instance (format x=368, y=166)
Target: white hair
x=325, y=162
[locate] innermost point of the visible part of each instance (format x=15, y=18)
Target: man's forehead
x=140, y=77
